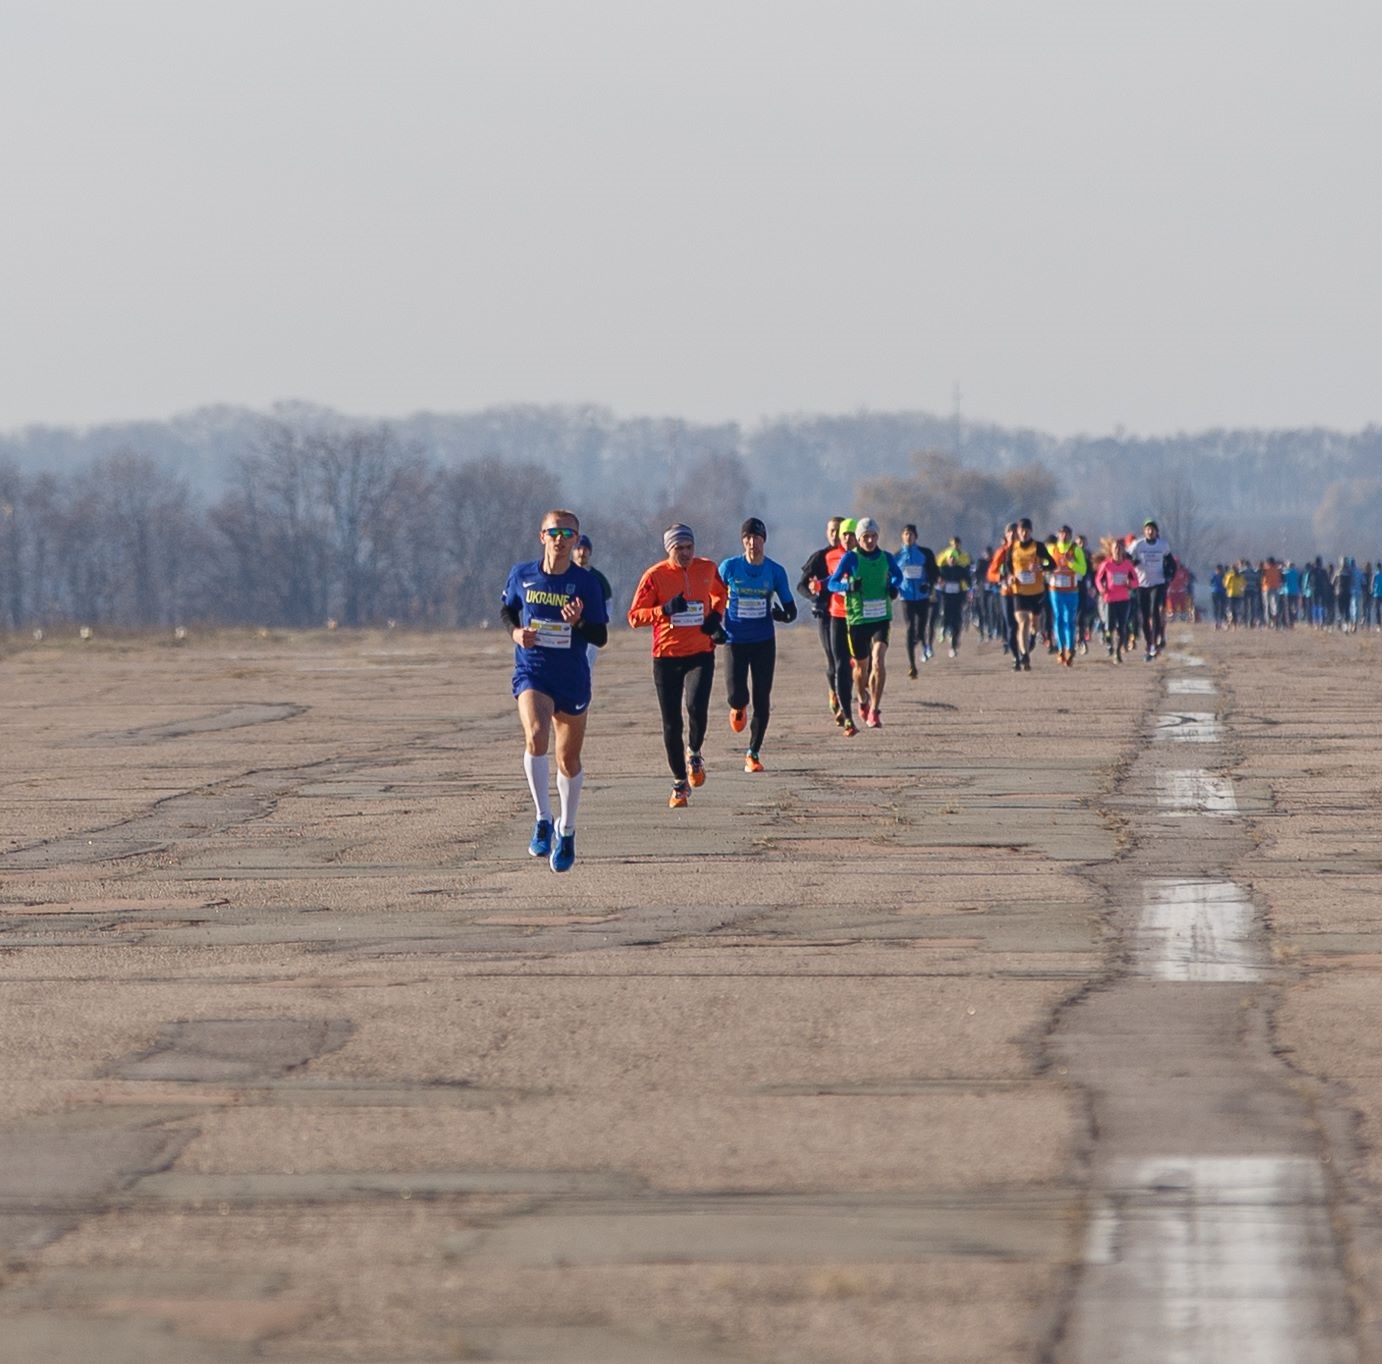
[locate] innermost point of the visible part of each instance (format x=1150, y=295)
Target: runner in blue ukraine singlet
x=556, y=663
x=553, y=609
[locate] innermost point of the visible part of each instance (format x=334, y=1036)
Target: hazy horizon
x=285, y=407
x=1074, y=218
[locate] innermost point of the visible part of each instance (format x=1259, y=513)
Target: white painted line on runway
x=1193, y=791
x=1197, y=930
x=1203, y=1260
x=1186, y=660
x=1190, y=686
x=1190, y=727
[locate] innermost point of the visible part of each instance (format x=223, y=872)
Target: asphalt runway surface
x=1043, y=1024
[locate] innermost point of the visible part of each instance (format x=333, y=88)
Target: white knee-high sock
x=569, y=792
x=535, y=766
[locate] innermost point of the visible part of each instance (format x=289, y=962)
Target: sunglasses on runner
x=558, y=532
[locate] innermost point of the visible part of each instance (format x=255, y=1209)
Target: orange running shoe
x=751, y=763
x=851, y=729
x=696, y=770
x=680, y=797
x=738, y=719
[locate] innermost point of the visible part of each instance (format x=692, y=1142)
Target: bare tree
x=945, y=498
x=277, y=528
x=485, y=504
x=712, y=494
x=361, y=473
x=1345, y=516
x=83, y=547
x=13, y=581
x=417, y=573
x=1183, y=522
x=39, y=515
x=148, y=520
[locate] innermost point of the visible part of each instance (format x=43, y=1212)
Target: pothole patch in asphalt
x=216, y=1050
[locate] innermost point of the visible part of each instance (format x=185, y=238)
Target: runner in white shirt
x=1156, y=566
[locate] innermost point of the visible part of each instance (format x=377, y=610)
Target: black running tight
x=917, y=613
x=1151, y=602
x=751, y=684
x=689, y=679
x=844, y=672
x=827, y=638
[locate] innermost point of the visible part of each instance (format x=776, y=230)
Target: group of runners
x=1279, y=594
x=556, y=608
x=557, y=613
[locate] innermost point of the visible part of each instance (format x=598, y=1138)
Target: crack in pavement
x=1211, y=1236
x=235, y=717
x=191, y=814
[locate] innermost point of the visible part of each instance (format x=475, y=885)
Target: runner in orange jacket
x=683, y=600
x=998, y=573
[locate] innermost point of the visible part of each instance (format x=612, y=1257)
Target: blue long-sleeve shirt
x=749, y=617
x=919, y=572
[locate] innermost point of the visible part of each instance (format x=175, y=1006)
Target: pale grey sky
x=1084, y=213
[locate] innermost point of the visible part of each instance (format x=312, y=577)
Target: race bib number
x=874, y=608
x=1027, y=577
x=1062, y=580
x=552, y=634
x=950, y=587
x=693, y=615
x=911, y=571
x=751, y=608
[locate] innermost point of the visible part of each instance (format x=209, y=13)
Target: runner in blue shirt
x=753, y=581
x=1290, y=592
x=553, y=608
x=919, y=576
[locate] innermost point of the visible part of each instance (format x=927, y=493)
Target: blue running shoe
x=541, y=846
x=564, y=854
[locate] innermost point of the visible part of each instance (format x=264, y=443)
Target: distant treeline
x=228, y=516
x=319, y=523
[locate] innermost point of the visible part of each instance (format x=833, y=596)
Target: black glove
x=675, y=606
x=712, y=628
x=786, y=614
